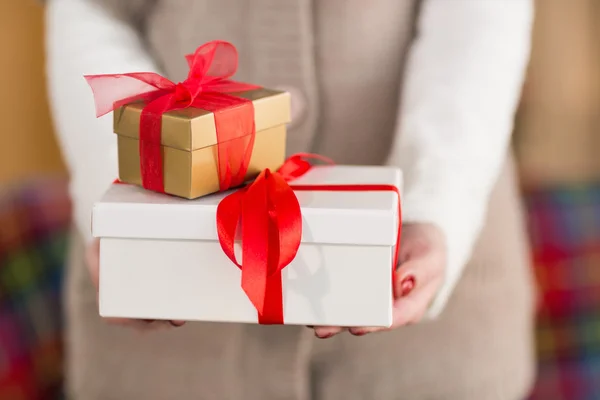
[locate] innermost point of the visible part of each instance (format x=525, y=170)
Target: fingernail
x=177, y=324
x=325, y=336
x=358, y=333
x=407, y=285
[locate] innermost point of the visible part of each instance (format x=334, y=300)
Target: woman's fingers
x=325, y=332
x=407, y=309
x=144, y=325
x=363, y=330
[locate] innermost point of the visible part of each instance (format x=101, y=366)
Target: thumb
x=417, y=241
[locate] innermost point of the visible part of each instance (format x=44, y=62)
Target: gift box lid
x=194, y=128
x=362, y=217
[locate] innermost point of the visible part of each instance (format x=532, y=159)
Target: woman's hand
x=92, y=256
x=420, y=275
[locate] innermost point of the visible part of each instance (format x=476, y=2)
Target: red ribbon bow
x=271, y=223
x=206, y=87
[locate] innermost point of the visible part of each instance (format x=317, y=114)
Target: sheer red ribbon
x=271, y=224
x=207, y=87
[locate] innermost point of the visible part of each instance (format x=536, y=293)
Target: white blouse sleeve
x=462, y=87
x=83, y=38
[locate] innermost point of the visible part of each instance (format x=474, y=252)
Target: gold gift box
x=189, y=143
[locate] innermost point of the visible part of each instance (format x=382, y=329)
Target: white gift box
x=160, y=257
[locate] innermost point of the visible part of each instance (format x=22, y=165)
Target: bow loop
x=298, y=164
x=211, y=67
x=286, y=219
x=215, y=61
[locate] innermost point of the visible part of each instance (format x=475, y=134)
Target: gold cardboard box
x=189, y=143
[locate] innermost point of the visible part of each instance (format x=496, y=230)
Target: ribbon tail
x=115, y=90
x=272, y=231
x=285, y=234
x=272, y=312
x=213, y=60
x=265, y=292
x=255, y=246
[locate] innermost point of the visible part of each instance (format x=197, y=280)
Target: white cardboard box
x=160, y=258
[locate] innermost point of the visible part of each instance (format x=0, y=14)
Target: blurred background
x=557, y=137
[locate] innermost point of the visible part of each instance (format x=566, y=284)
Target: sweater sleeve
x=83, y=37
x=462, y=86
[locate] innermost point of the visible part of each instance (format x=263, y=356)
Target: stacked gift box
x=189, y=143
x=210, y=221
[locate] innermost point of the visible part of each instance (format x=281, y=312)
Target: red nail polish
x=326, y=336
x=359, y=333
x=407, y=285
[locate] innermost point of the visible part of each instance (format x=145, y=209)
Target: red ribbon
x=206, y=87
x=271, y=223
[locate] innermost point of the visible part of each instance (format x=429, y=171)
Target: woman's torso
x=342, y=60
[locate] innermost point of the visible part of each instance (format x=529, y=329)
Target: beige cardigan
x=350, y=60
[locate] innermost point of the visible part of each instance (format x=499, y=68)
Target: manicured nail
x=358, y=333
x=407, y=285
x=177, y=324
x=325, y=336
